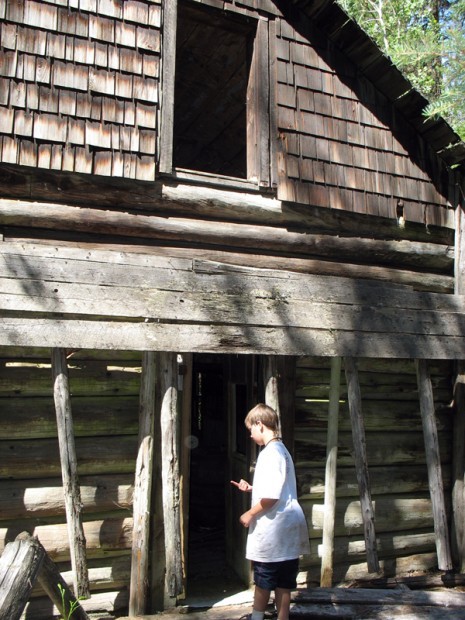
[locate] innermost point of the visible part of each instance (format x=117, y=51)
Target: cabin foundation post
x=142, y=489
x=71, y=489
x=434, y=465
x=361, y=465
x=170, y=449
x=458, y=445
x=326, y=578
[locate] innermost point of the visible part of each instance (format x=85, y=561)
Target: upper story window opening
x=217, y=119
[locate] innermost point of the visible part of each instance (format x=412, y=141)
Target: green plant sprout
x=73, y=605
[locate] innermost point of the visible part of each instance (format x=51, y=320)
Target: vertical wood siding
x=104, y=397
x=396, y=463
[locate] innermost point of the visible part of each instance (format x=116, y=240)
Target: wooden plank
x=167, y=87
x=331, y=475
x=361, y=464
x=77, y=541
x=270, y=385
x=142, y=490
x=168, y=385
x=286, y=369
x=434, y=465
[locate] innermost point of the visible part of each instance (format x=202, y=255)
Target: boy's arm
x=259, y=508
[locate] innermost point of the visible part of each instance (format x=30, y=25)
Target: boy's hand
x=246, y=518
x=242, y=485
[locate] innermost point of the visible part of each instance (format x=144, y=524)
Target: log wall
x=396, y=464
x=105, y=400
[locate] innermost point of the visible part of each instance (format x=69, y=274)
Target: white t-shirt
x=280, y=533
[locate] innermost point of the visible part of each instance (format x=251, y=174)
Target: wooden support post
x=433, y=462
x=71, y=490
x=361, y=465
x=458, y=472
x=170, y=475
x=458, y=446
x=326, y=578
x=270, y=384
x=142, y=489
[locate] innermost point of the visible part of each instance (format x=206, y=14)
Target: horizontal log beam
x=263, y=238
x=179, y=197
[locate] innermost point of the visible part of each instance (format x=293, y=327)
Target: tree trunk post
x=170, y=475
x=142, y=489
x=71, y=489
x=433, y=462
x=361, y=465
x=326, y=578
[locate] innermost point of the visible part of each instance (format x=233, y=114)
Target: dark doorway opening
x=213, y=58
x=209, y=573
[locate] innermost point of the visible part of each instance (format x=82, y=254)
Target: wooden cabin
x=205, y=204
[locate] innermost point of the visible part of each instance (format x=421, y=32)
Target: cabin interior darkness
x=207, y=560
x=213, y=58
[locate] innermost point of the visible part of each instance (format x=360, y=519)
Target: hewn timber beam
x=52, y=216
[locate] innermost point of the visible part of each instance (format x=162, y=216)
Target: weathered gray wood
x=170, y=475
x=68, y=459
x=458, y=471
x=142, y=489
x=167, y=100
x=224, y=339
x=270, y=384
x=286, y=369
x=20, y=563
x=403, y=253
x=50, y=579
x=331, y=475
x=41, y=498
x=175, y=197
x=433, y=461
x=458, y=457
x=361, y=464
x=106, y=536
x=97, y=455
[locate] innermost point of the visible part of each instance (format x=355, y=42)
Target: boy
x=278, y=532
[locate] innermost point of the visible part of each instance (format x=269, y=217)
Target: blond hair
x=264, y=414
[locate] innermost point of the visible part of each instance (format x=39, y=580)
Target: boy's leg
x=283, y=603
x=260, y=599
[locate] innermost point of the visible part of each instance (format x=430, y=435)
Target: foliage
x=73, y=605
x=426, y=40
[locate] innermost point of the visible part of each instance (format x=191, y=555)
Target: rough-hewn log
x=142, y=489
x=96, y=455
x=53, y=216
x=270, y=385
x=170, y=474
x=69, y=473
x=20, y=563
x=41, y=498
x=434, y=465
x=361, y=464
x=101, y=604
x=177, y=197
x=331, y=475
x=109, y=536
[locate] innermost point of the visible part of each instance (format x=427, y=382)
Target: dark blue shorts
x=272, y=575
